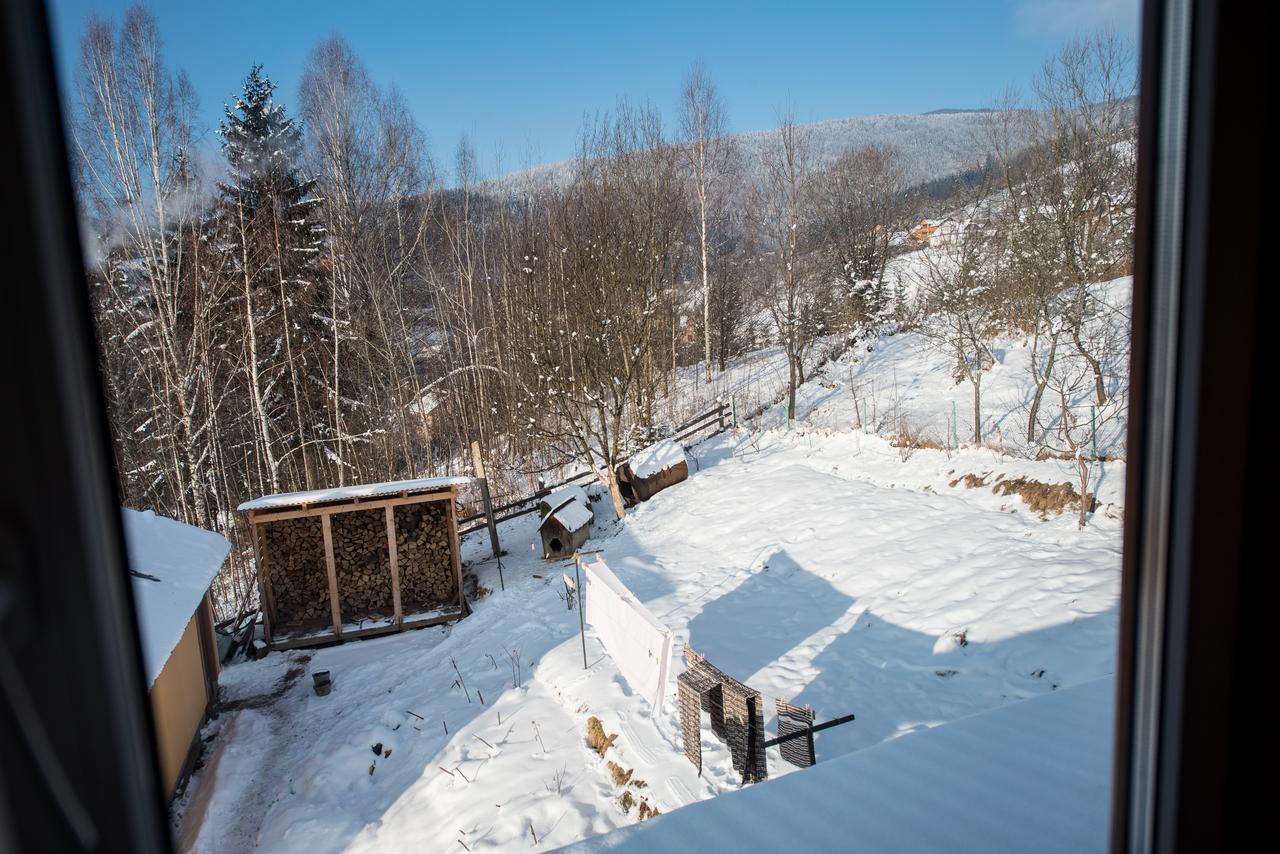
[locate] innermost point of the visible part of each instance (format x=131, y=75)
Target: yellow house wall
x=178, y=699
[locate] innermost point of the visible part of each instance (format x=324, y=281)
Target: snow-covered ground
x=1031, y=776
x=815, y=562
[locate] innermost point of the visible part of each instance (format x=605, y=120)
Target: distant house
x=946, y=231
x=172, y=566
x=925, y=229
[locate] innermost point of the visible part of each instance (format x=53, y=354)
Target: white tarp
x=636, y=640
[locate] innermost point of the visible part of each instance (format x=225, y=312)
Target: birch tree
x=708, y=152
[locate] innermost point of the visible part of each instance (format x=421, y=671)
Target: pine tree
x=275, y=241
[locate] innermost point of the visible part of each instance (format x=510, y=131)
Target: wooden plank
x=318, y=640
x=483, y=483
x=455, y=552
x=448, y=617
x=394, y=558
x=348, y=507
x=310, y=640
x=326, y=527
x=265, y=597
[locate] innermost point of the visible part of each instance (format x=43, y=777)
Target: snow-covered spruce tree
x=274, y=243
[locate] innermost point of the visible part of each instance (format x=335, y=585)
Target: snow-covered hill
x=932, y=145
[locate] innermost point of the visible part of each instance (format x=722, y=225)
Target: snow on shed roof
x=172, y=565
x=572, y=491
x=346, y=493
x=657, y=458
x=571, y=513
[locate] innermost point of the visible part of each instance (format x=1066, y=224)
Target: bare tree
x=591, y=291
x=862, y=204
x=1068, y=201
x=373, y=175
x=957, y=291
x=133, y=139
x=708, y=152
x=782, y=210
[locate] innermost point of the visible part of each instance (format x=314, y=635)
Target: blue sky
x=518, y=77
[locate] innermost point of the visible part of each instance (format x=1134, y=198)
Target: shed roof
x=172, y=565
x=348, y=493
x=572, y=491
x=570, y=513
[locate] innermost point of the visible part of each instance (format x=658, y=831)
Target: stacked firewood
x=363, y=563
x=424, y=556
x=293, y=558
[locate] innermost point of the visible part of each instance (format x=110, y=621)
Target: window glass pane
x=807, y=330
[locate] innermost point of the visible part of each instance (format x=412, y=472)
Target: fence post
x=1093, y=429
x=733, y=409
x=483, y=483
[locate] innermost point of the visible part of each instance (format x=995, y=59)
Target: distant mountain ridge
x=932, y=145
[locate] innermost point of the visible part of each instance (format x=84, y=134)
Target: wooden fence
x=717, y=419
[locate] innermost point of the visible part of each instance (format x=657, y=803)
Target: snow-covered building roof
x=572, y=491
x=657, y=458
x=1033, y=775
x=347, y=493
x=570, y=513
x=172, y=565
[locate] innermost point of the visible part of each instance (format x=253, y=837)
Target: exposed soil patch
x=259, y=701
x=1044, y=498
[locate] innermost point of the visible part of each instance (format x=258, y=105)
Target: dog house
x=652, y=470
x=337, y=564
x=566, y=522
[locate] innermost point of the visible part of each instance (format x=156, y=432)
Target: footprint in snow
x=801, y=536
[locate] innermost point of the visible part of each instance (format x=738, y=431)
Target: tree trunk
x=611, y=481
x=1041, y=382
x=706, y=288
x=1099, y=389
x=252, y=334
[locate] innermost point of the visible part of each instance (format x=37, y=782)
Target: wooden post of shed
x=326, y=527
x=457, y=547
x=394, y=558
x=263, y=596
x=483, y=482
